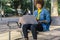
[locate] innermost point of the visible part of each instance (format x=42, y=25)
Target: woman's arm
x=47, y=17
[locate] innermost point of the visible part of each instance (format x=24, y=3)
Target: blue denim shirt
x=44, y=15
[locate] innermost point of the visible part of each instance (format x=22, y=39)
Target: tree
x=24, y=4
x=59, y=7
x=15, y=5
x=48, y=5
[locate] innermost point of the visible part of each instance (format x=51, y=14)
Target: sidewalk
x=14, y=35
x=53, y=34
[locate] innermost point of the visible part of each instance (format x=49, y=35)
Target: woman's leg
x=34, y=31
x=25, y=31
x=39, y=28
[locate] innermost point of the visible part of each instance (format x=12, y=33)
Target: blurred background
x=9, y=8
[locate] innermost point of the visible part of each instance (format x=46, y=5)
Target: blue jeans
x=34, y=28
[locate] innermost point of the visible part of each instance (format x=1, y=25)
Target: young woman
x=42, y=16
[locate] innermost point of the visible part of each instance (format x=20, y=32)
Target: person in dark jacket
x=43, y=18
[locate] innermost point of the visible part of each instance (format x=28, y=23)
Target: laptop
x=28, y=19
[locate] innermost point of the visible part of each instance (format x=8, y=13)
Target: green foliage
x=59, y=7
x=7, y=10
x=48, y=5
x=15, y=3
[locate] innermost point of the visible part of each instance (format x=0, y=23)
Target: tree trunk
x=54, y=8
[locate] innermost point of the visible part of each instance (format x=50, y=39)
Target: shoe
x=26, y=38
x=35, y=39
